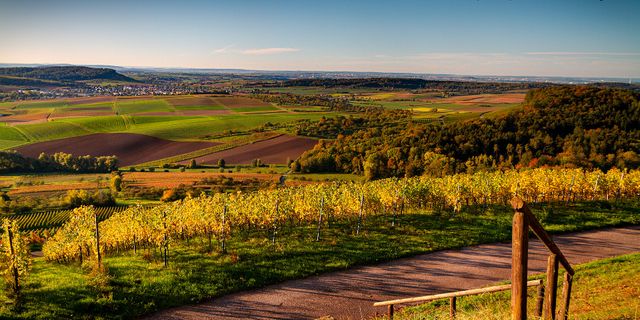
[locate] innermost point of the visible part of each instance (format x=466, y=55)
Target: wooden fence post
x=98, y=242
x=452, y=307
x=14, y=269
x=539, y=301
x=319, y=219
x=360, y=214
x=552, y=286
x=390, y=312
x=566, y=296
x=519, y=254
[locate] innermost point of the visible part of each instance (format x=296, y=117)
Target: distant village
x=118, y=90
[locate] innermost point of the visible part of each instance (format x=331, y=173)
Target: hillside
x=62, y=74
x=575, y=126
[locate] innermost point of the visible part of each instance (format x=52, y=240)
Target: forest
x=65, y=73
x=462, y=87
x=569, y=126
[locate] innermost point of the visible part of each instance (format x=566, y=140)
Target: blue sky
x=484, y=37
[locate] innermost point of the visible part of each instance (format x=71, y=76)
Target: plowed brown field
x=129, y=148
x=271, y=151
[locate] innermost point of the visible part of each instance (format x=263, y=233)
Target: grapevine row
x=221, y=214
x=56, y=218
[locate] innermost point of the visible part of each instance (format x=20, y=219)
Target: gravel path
x=350, y=294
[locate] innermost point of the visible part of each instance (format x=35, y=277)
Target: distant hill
x=62, y=74
x=463, y=87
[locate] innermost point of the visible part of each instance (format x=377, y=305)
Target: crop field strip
x=207, y=151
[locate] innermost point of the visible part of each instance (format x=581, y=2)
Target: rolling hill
x=58, y=75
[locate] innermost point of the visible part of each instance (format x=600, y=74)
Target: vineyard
x=221, y=215
x=50, y=221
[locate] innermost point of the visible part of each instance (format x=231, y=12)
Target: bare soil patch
x=128, y=147
x=22, y=190
x=25, y=118
x=174, y=179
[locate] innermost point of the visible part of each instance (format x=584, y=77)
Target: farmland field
x=129, y=148
x=272, y=151
x=142, y=106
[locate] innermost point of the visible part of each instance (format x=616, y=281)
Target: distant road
x=350, y=294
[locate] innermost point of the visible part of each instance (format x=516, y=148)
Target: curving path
x=350, y=294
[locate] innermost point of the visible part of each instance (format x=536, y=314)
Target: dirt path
x=350, y=294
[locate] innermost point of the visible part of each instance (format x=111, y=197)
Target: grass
x=42, y=104
x=52, y=130
x=137, y=286
x=11, y=133
x=253, y=109
x=84, y=107
x=98, y=124
x=139, y=106
x=604, y=289
x=10, y=144
x=207, y=107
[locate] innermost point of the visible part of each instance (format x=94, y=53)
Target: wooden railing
x=523, y=220
x=452, y=297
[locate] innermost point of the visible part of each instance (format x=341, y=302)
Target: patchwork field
x=129, y=148
x=271, y=151
x=145, y=123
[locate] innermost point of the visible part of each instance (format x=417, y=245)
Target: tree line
x=331, y=128
x=324, y=100
x=461, y=87
x=574, y=126
x=11, y=161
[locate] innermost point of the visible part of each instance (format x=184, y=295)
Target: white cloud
x=266, y=51
x=224, y=49
x=570, y=53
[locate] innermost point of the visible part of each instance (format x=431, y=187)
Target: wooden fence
x=523, y=220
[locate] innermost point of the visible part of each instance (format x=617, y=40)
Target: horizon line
x=636, y=78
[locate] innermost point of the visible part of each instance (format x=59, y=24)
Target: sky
x=577, y=38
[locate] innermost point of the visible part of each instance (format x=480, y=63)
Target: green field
x=130, y=118
x=139, y=106
x=40, y=105
x=254, y=109
x=207, y=107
